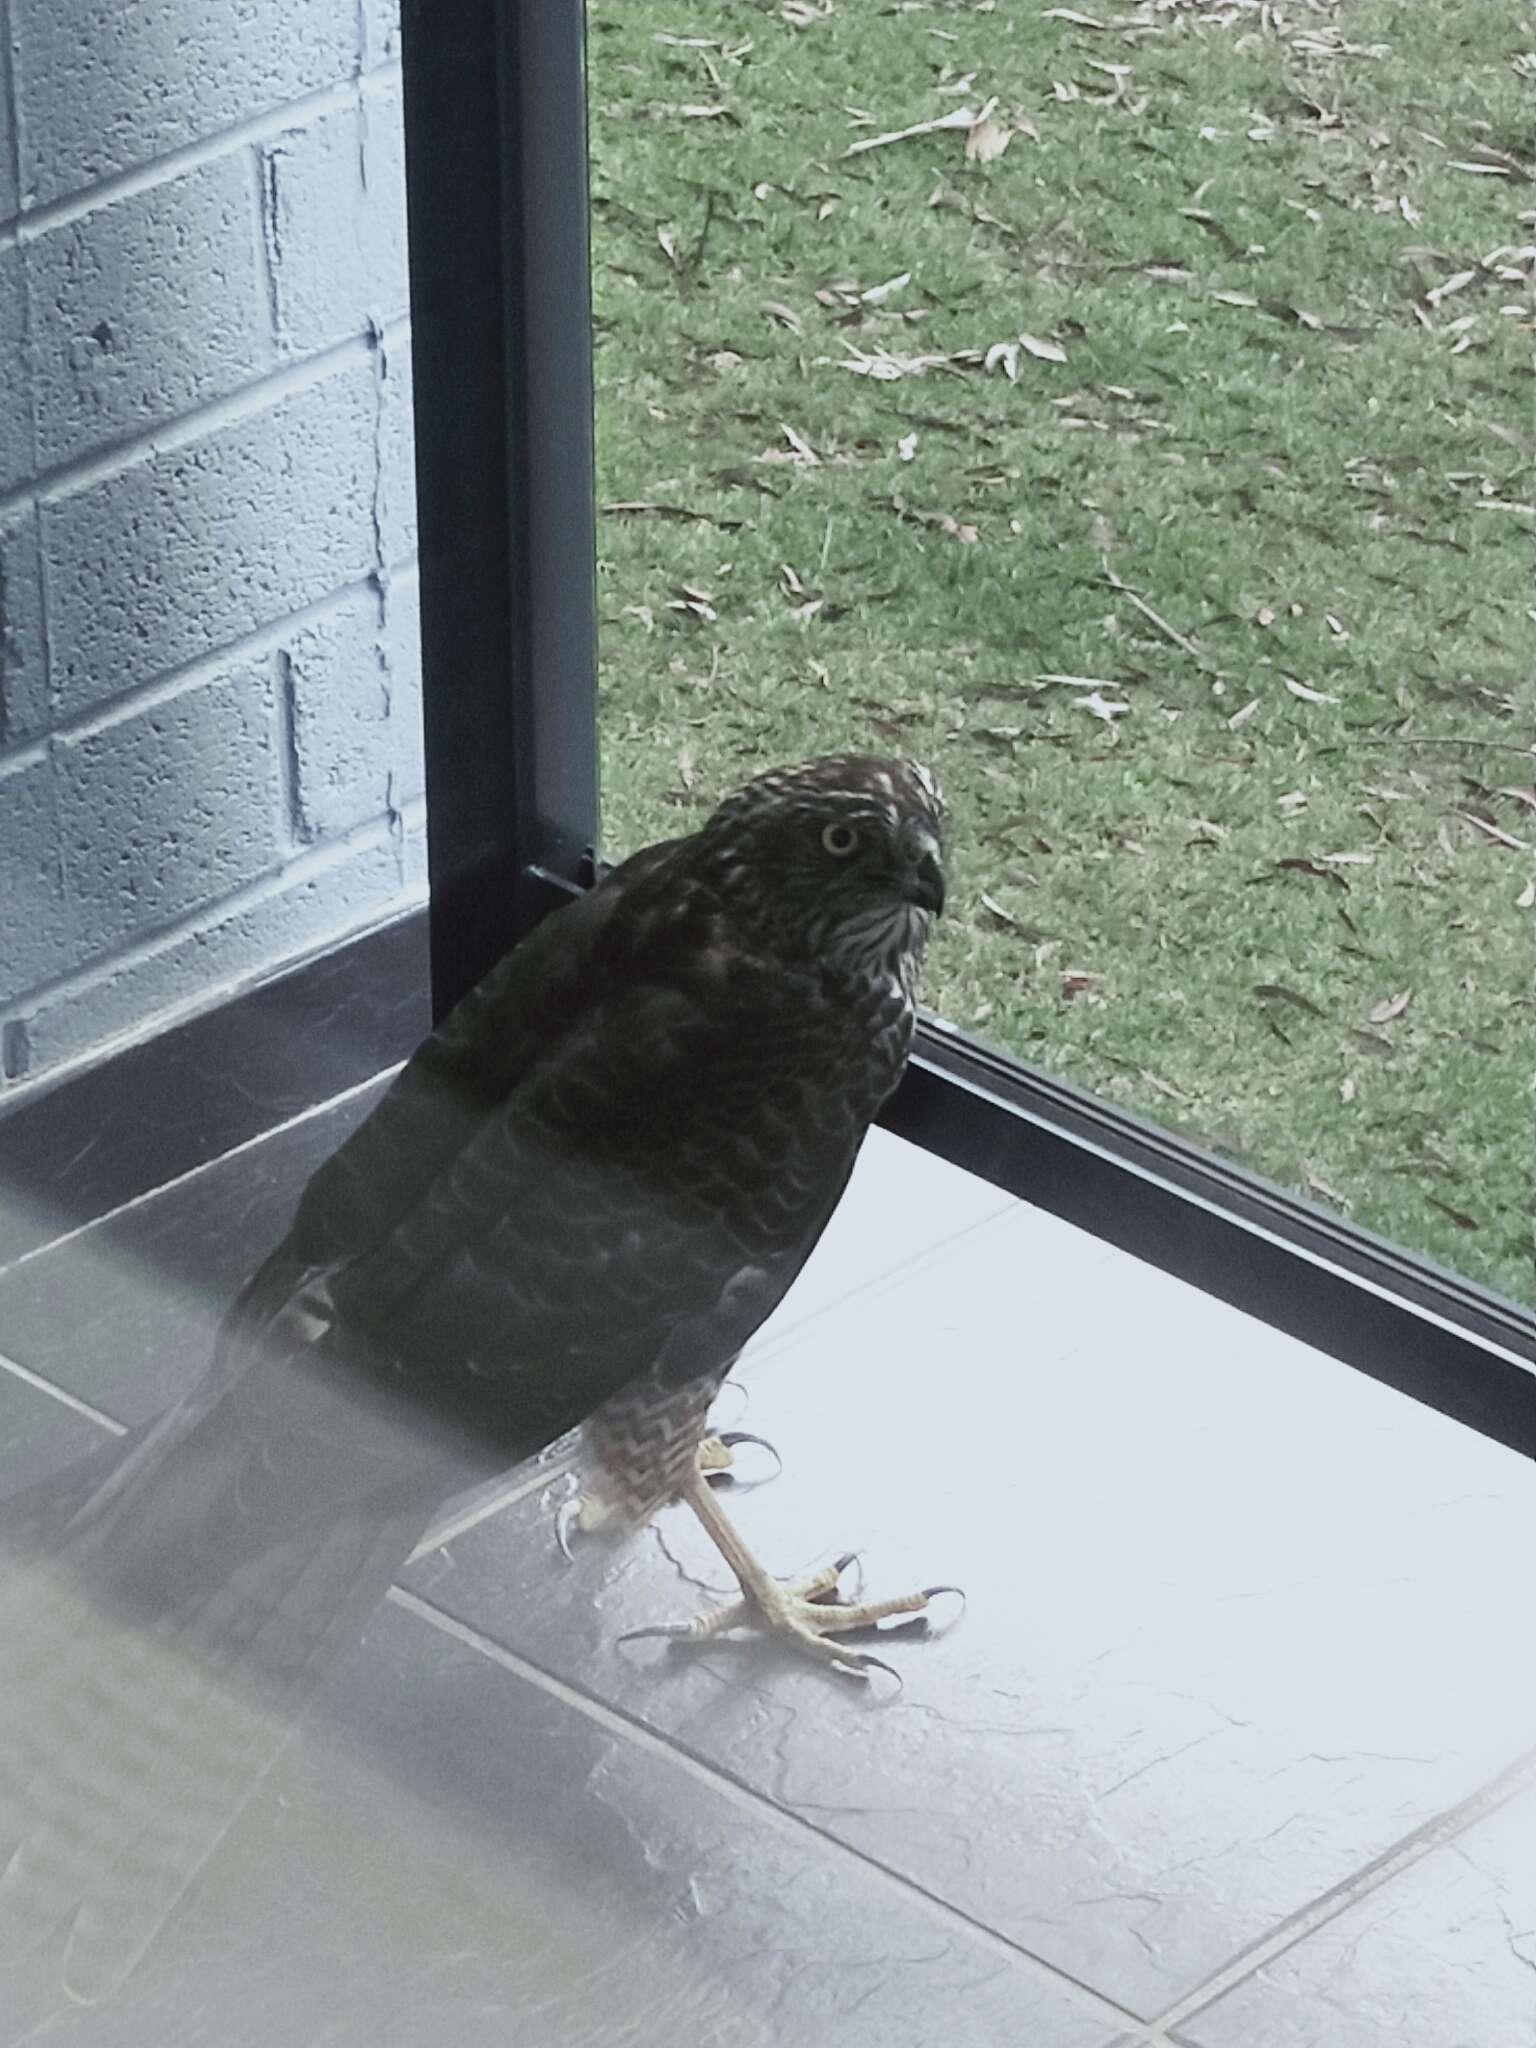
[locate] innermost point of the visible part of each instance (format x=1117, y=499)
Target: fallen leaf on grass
x=1319, y=1186
x=1306, y=693
x=1459, y=1217
x=1311, y=867
x=1391, y=1006
x=1347, y=1088
x=640, y=508
x=1077, y=981
x=957, y=117
x=1349, y=860
x=1276, y=991
x=1373, y=1042
x=1494, y=832
x=1097, y=705
x=987, y=140
x=1527, y=897
x=785, y=315
x=1071, y=14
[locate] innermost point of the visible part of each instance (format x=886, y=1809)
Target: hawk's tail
x=142, y=1701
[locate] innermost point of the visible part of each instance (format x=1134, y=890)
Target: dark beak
x=925, y=885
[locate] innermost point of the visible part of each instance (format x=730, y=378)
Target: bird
x=572, y=1208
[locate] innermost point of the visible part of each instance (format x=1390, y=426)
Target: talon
x=669, y=1631
x=567, y=1515
x=732, y=1437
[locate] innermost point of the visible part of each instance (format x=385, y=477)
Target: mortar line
x=1413, y=1848
x=33, y=222
x=257, y=395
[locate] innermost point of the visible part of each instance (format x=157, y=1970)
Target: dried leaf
x=1347, y=1088
x=785, y=315
x=1349, y=860
x=1391, y=1006
x=1527, y=897
x=957, y=117
x=1276, y=991
x=1242, y=717
x=1100, y=706
x=1459, y=1217
x=1494, y=832
x=1306, y=693
x=1047, y=351
x=1311, y=867
x=987, y=140
x=1071, y=14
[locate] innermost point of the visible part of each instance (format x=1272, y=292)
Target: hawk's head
x=841, y=859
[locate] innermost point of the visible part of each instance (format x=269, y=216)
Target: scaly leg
x=593, y=1510
x=806, y=1612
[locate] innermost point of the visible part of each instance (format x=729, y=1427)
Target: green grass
x=1328, y=487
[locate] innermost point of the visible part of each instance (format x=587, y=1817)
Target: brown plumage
x=578, y=1200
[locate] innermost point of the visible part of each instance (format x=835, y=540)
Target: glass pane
x=1128, y=418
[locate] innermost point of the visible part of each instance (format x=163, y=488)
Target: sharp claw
x=565, y=1520
x=659, y=1631
x=860, y=1664
x=731, y=1438
x=943, y=1628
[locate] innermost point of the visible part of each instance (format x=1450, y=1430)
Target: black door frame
x=495, y=115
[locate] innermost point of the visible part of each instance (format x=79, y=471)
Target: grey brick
x=334, y=202
x=103, y=85
x=354, y=683
x=147, y=308
x=381, y=30
x=24, y=708
x=36, y=936
x=397, y=452
x=193, y=547
x=15, y=371
x=170, y=808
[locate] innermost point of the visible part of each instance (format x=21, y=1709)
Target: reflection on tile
x=901, y=1204
x=1239, y=1620
x=1442, y=1955
x=123, y=1315
x=447, y=1854
x=182, y=1098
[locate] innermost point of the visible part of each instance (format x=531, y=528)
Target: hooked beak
x=925, y=884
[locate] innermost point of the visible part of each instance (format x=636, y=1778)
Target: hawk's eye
x=839, y=839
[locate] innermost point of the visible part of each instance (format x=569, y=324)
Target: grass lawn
x=1209, y=599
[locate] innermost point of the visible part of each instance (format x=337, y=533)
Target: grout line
x=210, y=667
x=33, y=222
x=489, y=1500
x=291, y=1123
x=746, y=1798
x=256, y=396
x=61, y=1394
x=1403, y=1855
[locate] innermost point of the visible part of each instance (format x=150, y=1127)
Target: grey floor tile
x=448, y=1854
x=1239, y=1620
x=1442, y=1955
x=123, y=1314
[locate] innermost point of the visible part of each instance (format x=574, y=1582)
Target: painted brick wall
x=210, y=680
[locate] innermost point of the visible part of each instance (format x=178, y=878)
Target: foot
x=811, y=1613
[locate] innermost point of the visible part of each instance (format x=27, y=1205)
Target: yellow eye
x=839, y=839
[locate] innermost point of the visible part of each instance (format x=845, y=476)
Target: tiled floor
x=1235, y=1746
